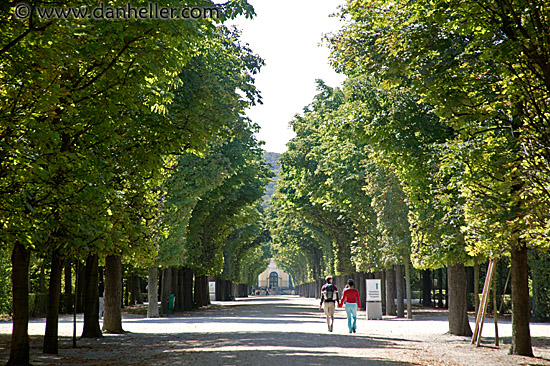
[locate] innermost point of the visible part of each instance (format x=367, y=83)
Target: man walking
x=329, y=296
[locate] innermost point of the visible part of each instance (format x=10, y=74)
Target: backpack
x=329, y=292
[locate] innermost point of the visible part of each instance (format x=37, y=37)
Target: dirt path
x=284, y=331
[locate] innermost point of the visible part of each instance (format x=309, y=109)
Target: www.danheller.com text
x=101, y=11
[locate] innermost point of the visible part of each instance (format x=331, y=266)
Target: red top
x=351, y=295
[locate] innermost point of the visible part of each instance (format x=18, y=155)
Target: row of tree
x=126, y=141
x=435, y=151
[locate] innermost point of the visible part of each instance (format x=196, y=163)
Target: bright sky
x=287, y=34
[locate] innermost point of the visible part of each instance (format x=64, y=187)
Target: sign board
x=374, y=290
x=212, y=290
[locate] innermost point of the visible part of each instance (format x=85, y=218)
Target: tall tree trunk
x=81, y=289
x=91, y=299
x=42, y=278
x=135, y=290
x=219, y=289
x=152, y=293
x=112, y=319
x=362, y=287
x=196, y=296
x=458, y=308
x=206, y=291
x=408, y=284
x=521, y=335
x=390, y=290
x=125, y=292
x=440, y=285
x=500, y=283
x=476, y=284
x=137, y=284
x=380, y=276
x=166, y=289
x=446, y=288
x=68, y=287
x=399, y=285
x=188, y=289
x=175, y=284
x=180, y=293
x=19, y=351
x=426, y=288
x=130, y=285
x=50, y=344
x=201, y=291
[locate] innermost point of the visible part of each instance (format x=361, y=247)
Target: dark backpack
x=329, y=292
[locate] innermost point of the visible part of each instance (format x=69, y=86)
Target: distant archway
x=273, y=280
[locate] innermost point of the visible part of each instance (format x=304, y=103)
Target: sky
x=287, y=35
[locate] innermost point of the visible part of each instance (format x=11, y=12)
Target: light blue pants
x=351, y=311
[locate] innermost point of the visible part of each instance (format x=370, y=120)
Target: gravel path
x=284, y=331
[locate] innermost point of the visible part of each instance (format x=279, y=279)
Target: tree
x=227, y=208
x=60, y=146
x=457, y=56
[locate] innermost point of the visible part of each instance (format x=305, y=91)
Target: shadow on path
x=246, y=348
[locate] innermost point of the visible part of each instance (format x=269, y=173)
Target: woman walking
x=350, y=297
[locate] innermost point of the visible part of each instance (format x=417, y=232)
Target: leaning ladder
x=482, y=310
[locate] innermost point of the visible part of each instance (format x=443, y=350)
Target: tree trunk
x=219, y=289
x=362, y=287
x=390, y=290
x=68, y=287
x=380, y=276
x=180, y=292
x=91, y=299
x=130, y=285
x=426, y=288
x=152, y=293
x=19, y=351
x=125, y=296
x=521, y=335
x=112, y=319
x=137, y=284
x=201, y=291
x=122, y=288
x=399, y=285
x=476, y=285
x=408, y=284
x=446, y=288
x=187, y=289
x=196, y=296
x=50, y=344
x=206, y=291
x=440, y=285
x=175, y=284
x=81, y=287
x=42, y=277
x=458, y=310
x=166, y=289
x=135, y=290
x=500, y=283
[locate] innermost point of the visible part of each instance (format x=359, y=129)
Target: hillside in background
x=273, y=160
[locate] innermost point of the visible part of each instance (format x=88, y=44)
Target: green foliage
x=273, y=161
x=228, y=207
x=300, y=249
x=462, y=60
x=129, y=138
x=538, y=261
x=94, y=117
x=5, y=282
x=38, y=304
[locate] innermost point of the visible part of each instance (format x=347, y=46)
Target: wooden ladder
x=482, y=310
